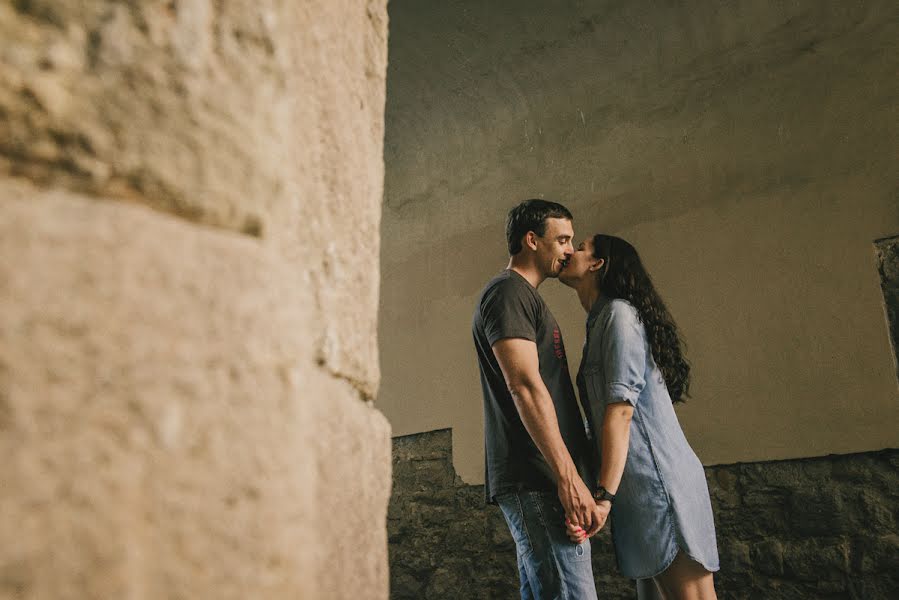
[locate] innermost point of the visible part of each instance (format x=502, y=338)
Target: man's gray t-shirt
x=509, y=307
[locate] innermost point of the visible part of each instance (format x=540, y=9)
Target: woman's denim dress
x=663, y=501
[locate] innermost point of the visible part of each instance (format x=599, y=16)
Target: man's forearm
x=538, y=414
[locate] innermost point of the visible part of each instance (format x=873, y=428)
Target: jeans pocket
x=514, y=512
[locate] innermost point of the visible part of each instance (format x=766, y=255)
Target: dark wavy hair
x=624, y=276
x=531, y=215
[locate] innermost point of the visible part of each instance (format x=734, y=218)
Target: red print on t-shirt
x=557, y=343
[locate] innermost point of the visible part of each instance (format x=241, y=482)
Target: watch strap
x=602, y=493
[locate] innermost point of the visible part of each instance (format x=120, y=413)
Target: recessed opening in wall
x=887, y=253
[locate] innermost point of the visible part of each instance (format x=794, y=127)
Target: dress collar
x=597, y=307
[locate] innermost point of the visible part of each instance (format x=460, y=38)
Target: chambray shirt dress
x=663, y=501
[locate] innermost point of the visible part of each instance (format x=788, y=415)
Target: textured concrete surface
x=259, y=117
x=823, y=528
x=169, y=433
x=190, y=200
x=748, y=151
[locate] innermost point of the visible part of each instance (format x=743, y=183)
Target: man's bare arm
x=521, y=368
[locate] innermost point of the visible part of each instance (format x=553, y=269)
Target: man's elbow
x=522, y=391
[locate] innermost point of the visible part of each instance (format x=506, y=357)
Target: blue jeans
x=551, y=566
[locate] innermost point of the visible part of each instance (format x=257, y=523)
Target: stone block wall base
x=811, y=528
x=165, y=427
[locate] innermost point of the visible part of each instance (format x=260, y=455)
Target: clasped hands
x=578, y=534
x=584, y=516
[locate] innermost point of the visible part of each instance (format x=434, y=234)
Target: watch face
x=603, y=494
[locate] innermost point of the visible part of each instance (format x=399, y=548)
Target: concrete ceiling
x=492, y=102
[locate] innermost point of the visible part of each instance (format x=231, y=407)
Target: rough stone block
x=261, y=117
x=735, y=554
x=432, y=445
x=164, y=419
x=877, y=554
x=768, y=557
x=875, y=513
x=817, y=511
x=809, y=559
x=195, y=107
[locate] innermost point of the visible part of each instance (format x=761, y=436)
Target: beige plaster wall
x=748, y=151
x=186, y=366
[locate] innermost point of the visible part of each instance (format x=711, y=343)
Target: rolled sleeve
x=623, y=351
x=620, y=392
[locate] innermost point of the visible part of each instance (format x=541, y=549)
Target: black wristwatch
x=602, y=493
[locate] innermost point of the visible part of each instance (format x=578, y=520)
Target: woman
x=631, y=372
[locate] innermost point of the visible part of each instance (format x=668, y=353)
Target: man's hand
x=580, y=507
x=578, y=534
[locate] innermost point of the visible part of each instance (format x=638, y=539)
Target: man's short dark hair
x=531, y=215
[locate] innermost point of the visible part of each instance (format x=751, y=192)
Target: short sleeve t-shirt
x=509, y=307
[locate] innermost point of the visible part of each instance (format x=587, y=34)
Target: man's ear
x=598, y=264
x=530, y=240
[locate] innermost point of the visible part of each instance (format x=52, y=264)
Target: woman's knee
x=686, y=579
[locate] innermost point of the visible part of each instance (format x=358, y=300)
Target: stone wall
x=180, y=350
x=811, y=528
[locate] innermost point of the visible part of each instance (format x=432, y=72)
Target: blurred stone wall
x=187, y=355
x=820, y=528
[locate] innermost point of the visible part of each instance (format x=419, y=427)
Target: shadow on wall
x=810, y=528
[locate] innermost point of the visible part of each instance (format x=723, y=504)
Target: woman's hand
x=604, y=507
x=577, y=534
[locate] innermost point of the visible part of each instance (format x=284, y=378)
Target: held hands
x=578, y=534
x=581, y=510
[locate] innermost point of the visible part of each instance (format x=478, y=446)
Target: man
x=538, y=455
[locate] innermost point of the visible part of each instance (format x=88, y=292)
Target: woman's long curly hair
x=623, y=276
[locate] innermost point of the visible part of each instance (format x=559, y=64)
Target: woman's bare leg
x=686, y=579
